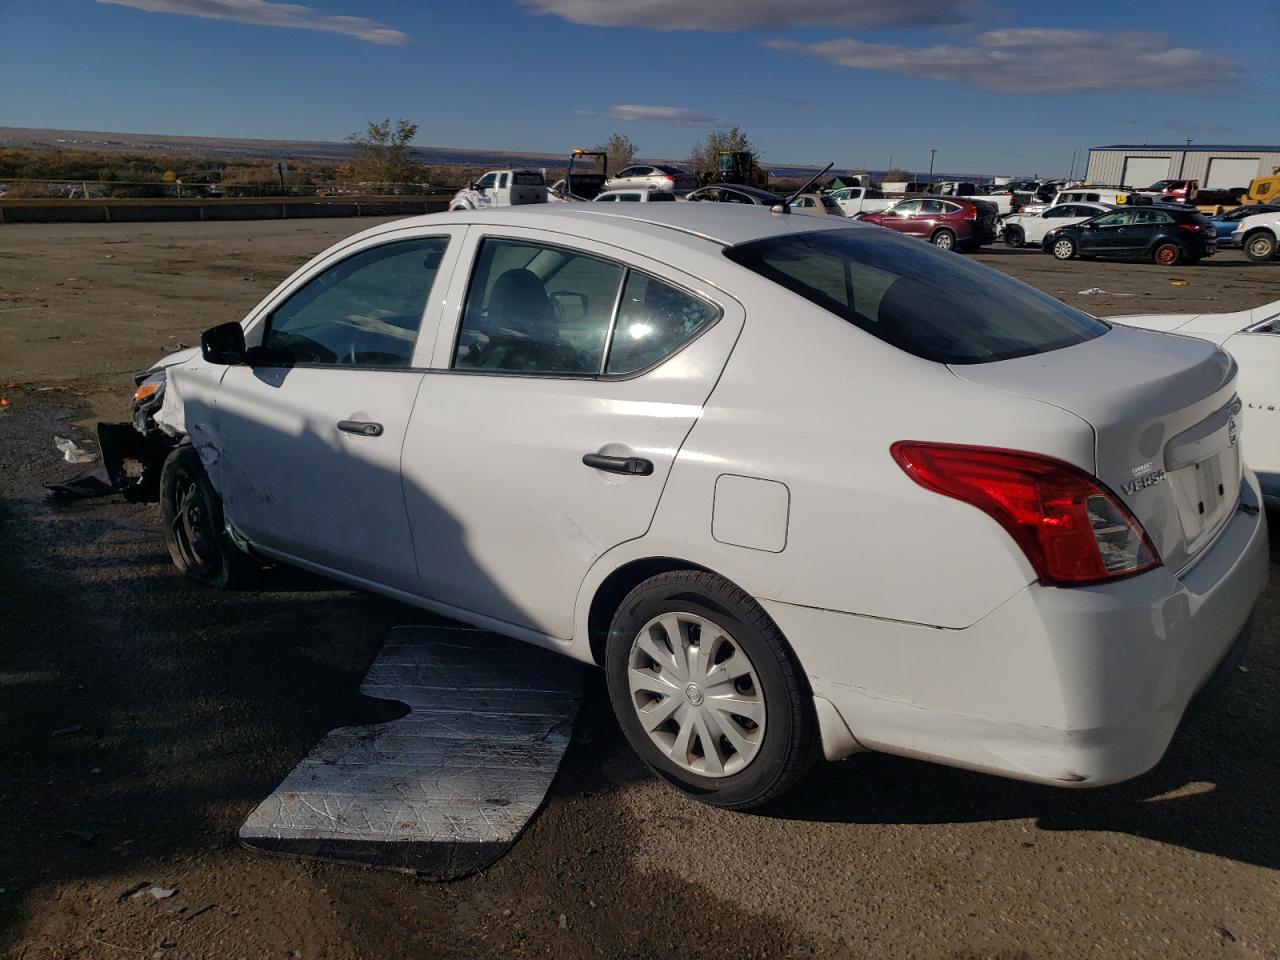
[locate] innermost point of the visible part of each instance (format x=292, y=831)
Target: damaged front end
x=133, y=453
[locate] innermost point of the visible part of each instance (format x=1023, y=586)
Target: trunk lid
x=1164, y=412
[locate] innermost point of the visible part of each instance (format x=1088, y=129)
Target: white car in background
x=638, y=195
x=1028, y=229
x=800, y=485
x=654, y=176
x=1259, y=236
x=1253, y=338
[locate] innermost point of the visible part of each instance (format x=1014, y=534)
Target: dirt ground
x=142, y=717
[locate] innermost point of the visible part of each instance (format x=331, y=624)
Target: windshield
x=930, y=303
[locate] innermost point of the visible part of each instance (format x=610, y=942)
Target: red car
x=952, y=224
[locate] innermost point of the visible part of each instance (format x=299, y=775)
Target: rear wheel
x=1014, y=237
x=944, y=239
x=1259, y=247
x=194, y=528
x=707, y=691
x=1063, y=248
x=1167, y=254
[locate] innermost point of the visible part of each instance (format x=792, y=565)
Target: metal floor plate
x=446, y=789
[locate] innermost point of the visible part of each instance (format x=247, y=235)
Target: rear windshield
x=928, y=302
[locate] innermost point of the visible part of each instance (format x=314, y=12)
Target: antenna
x=785, y=205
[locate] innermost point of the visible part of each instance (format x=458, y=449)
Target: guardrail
x=43, y=210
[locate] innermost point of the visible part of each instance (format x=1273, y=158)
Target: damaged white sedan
x=801, y=487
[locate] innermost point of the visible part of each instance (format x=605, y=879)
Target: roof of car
x=722, y=223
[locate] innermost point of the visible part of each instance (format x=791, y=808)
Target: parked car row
x=799, y=486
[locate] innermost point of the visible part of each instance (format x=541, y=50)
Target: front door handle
x=636, y=466
x=362, y=428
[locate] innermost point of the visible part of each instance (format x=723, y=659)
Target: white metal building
x=1216, y=167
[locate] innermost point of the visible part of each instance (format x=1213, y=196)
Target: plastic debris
x=74, y=728
x=1092, y=291
x=564, y=922
x=162, y=893
x=72, y=452
x=1177, y=283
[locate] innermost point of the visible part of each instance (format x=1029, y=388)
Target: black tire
x=1259, y=246
x=1014, y=236
x=943, y=240
x=1166, y=254
x=790, y=745
x=1191, y=261
x=1062, y=248
x=194, y=529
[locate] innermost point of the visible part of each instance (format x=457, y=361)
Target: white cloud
x=265, y=13
x=635, y=111
x=1033, y=60
x=756, y=14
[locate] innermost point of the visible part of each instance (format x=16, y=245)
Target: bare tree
x=383, y=154
x=620, y=149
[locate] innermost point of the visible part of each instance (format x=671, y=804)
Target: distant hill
x=227, y=148
x=246, y=149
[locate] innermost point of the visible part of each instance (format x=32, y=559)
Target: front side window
x=733, y=196
x=538, y=309
x=905, y=208
x=1117, y=219
x=1151, y=216
x=629, y=172
x=364, y=311
x=1057, y=212
x=924, y=301
x=487, y=181
x=629, y=197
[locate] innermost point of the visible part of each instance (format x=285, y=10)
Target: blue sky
x=1010, y=87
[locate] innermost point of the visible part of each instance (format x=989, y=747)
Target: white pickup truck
x=1003, y=200
x=502, y=188
x=855, y=200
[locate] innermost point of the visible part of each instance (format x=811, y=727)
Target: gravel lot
x=142, y=717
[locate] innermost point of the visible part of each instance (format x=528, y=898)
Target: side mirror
x=223, y=344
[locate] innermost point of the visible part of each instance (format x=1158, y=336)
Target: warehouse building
x=1216, y=167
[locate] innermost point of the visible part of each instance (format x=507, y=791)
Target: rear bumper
x=1071, y=687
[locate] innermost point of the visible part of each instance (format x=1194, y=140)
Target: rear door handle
x=362, y=428
x=636, y=466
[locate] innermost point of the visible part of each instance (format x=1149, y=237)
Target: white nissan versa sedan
x=801, y=486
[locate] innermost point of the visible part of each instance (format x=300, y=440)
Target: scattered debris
x=205, y=909
x=4, y=403
x=162, y=893
x=63, y=731
x=1242, y=668
x=73, y=453
x=89, y=483
x=1227, y=935
x=134, y=891
x=1177, y=283
x=564, y=922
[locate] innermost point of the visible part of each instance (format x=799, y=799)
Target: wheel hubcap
x=696, y=694
x=1166, y=255
x=1062, y=249
x=1259, y=248
x=944, y=241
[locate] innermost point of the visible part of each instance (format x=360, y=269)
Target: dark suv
x=1166, y=235
x=952, y=224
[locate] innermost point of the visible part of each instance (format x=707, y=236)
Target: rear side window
x=926, y=302
x=661, y=197
x=654, y=321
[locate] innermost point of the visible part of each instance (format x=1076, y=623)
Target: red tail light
x=972, y=212
x=1072, y=529
x=1193, y=227
x=669, y=178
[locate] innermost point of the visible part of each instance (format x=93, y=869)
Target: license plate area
x=1204, y=466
